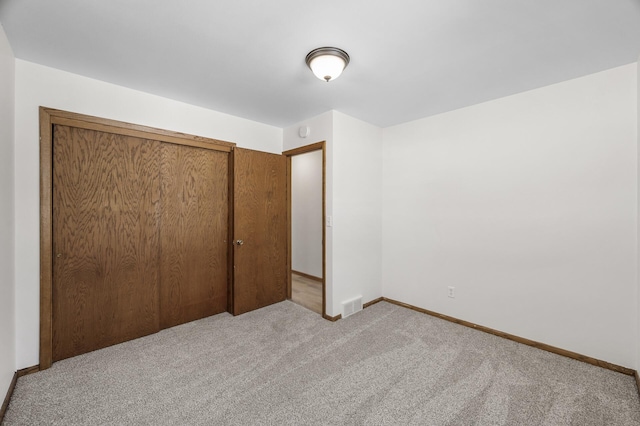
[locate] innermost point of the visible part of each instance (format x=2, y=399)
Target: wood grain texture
x=289, y=230
x=308, y=276
x=307, y=292
x=332, y=319
x=543, y=346
x=48, y=118
x=28, y=370
x=7, y=398
x=304, y=149
x=73, y=119
x=105, y=238
x=230, y=245
x=193, y=235
x=373, y=302
x=324, y=227
x=12, y=386
x=260, y=211
x=46, y=239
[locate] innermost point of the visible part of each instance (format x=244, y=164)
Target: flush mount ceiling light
x=327, y=63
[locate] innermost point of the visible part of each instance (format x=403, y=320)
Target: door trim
x=230, y=248
x=49, y=117
x=291, y=153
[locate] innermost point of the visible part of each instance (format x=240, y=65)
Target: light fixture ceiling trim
x=327, y=63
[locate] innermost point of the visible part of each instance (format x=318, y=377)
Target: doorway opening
x=306, y=210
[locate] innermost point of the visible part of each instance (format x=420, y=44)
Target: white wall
x=36, y=86
x=357, y=209
x=7, y=282
x=306, y=213
x=353, y=243
x=527, y=205
x=321, y=129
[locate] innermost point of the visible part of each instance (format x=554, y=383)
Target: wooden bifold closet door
x=193, y=233
x=140, y=231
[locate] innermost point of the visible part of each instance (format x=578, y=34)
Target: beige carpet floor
x=284, y=365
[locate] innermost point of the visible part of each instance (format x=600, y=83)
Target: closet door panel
x=105, y=239
x=193, y=234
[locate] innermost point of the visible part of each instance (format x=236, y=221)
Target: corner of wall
x=320, y=129
x=7, y=214
x=357, y=209
x=494, y=200
x=637, y=340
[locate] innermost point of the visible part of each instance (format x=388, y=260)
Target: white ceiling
x=409, y=58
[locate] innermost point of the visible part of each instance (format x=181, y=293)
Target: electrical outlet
x=452, y=292
x=329, y=221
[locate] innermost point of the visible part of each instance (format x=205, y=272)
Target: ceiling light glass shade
x=327, y=63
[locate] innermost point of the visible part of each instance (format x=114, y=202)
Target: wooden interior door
x=194, y=233
x=105, y=239
x=260, y=230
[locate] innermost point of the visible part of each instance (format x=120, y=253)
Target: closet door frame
x=50, y=117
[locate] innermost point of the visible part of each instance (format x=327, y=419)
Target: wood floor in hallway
x=306, y=292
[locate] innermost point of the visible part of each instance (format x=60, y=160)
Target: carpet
x=285, y=365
